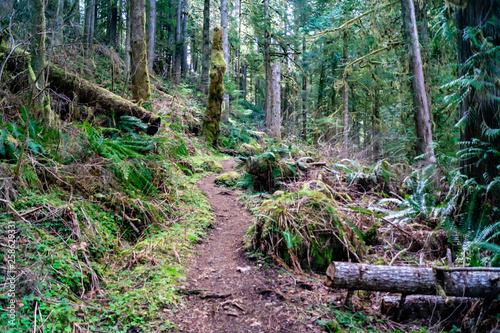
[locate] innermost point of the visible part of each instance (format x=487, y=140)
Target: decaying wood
x=424, y=306
x=82, y=90
x=413, y=280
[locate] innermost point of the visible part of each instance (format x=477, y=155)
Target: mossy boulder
x=227, y=179
x=212, y=166
x=247, y=149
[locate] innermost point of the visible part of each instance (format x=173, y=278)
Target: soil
x=228, y=292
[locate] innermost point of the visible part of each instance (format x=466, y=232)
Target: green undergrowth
x=104, y=220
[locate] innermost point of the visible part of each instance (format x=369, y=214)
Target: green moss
x=211, y=121
x=247, y=149
x=228, y=178
x=212, y=166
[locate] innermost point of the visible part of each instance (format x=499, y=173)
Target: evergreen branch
x=353, y=20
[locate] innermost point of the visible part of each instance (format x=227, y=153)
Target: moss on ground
x=228, y=179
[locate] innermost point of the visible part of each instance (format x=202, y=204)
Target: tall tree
x=184, y=44
x=89, y=24
x=151, y=34
x=275, y=130
x=112, y=22
x=345, y=96
x=38, y=63
x=422, y=113
x=205, y=53
x=138, y=56
x=478, y=40
x=267, y=64
x=211, y=121
x=225, y=45
x=178, y=43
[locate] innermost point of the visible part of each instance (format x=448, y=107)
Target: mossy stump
x=211, y=121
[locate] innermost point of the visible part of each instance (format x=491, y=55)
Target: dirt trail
x=229, y=293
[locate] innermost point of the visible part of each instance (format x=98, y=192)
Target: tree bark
x=304, y=95
x=138, y=56
x=58, y=29
x=420, y=102
x=151, y=34
x=345, y=96
x=184, y=48
x=423, y=306
x=211, y=121
x=267, y=65
x=112, y=22
x=88, y=28
x=37, y=62
x=225, y=42
x=127, y=41
x=178, y=43
x=275, y=131
x=205, y=58
x=376, y=123
x=413, y=280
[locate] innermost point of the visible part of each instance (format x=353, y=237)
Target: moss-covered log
x=84, y=91
x=211, y=121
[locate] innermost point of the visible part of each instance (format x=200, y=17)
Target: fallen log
x=86, y=92
x=414, y=280
x=424, y=306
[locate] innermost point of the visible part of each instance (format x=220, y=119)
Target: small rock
x=243, y=269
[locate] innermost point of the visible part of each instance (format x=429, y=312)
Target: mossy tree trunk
x=138, y=54
x=211, y=121
x=205, y=58
x=225, y=48
x=37, y=60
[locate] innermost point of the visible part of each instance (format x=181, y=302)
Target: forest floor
x=228, y=292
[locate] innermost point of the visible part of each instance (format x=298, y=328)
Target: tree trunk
x=88, y=28
x=59, y=20
x=184, y=48
x=424, y=306
x=420, y=103
x=225, y=43
x=345, y=97
x=376, y=124
x=151, y=34
x=413, y=280
x=275, y=131
x=205, y=57
x=119, y=24
x=211, y=121
x=178, y=43
x=267, y=65
x=127, y=41
x=479, y=109
x=138, y=56
x=112, y=22
x=37, y=62
x=425, y=42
